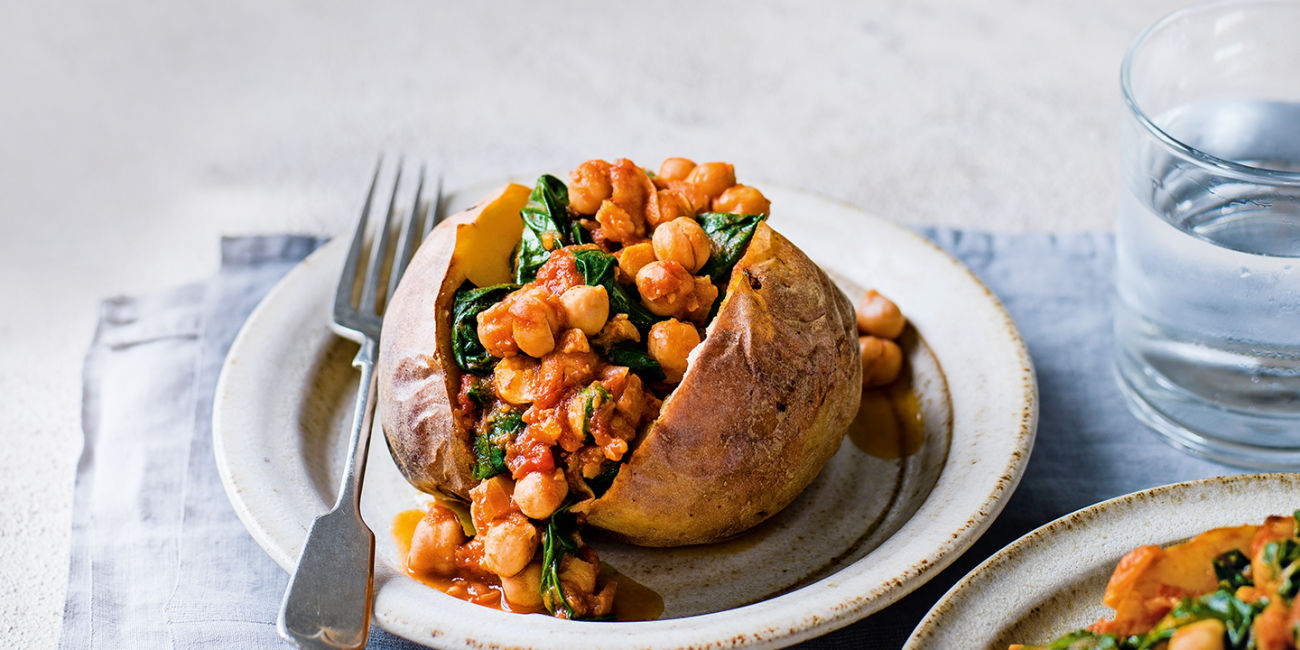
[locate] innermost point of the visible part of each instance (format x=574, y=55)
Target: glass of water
x=1207, y=324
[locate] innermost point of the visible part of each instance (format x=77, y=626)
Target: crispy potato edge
x=417, y=390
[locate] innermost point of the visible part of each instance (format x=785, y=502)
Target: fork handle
x=327, y=602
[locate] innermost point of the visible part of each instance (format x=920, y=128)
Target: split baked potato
x=523, y=321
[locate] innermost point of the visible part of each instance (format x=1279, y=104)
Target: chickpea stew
x=1226, y=589
x=615, y=278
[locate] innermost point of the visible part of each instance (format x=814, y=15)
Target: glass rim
x=1188, y=151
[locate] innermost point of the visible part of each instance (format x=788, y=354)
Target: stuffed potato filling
x=616, y=275
x=1229, y=588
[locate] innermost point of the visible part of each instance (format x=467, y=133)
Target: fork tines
x=365, y=314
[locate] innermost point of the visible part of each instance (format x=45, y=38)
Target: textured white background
x=133, y=134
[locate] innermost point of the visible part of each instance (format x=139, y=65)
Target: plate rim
x=949, y=605
x=854, y=605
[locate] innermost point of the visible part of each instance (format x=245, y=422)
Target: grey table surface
x=136, y=133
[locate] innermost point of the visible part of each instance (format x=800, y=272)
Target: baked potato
x=549, y=309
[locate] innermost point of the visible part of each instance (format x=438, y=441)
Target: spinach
x=559, y=537
x=490, y=442
x=729, y=234
x=1084, y=640
x=489, y=459
x=1284, y=558
x=637, y=360
x=600, y=483
x=1230, y=568
x=620, y=302
x=590, y=396
x=597, y=268
x=1221, y=605
x=480, y=391
x=546, y=227
x=467, y=304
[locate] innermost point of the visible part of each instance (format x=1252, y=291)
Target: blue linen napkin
x=159, y=559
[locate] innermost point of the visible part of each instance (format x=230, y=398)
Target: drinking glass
x=1207, y=323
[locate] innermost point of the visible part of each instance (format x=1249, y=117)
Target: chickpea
x=879, y=316
x=693, y=195
x=683, y=241
x=670, y=342
x=573, y=341
x=433, y=545
x=524, y=589
x=513, y=379
x=618, y=329
x=586, y=308
x=705, y=294
x=618, y=224
x=630, y=189
x=536, y=321
x=665, y=287
x=588, y=186
x=631, y=401
x=713, y=178
x=509, y=545
x=666, y=206
x=633, y=257
x=538, y=494
x=496, y=330
x=742, y=199
x=578, y=574
x=490, y=500
x=882, y=360
x=675, y=169
x=1201, y=635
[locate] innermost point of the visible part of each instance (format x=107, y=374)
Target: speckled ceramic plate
x=871, y=528
x=1050, y=581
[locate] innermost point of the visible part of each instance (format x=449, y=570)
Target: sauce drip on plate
x=889, y=422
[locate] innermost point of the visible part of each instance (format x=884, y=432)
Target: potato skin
x=712, y=465
x=764, y=404
x=417, y=378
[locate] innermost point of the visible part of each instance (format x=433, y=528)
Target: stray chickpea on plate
x=632, y=351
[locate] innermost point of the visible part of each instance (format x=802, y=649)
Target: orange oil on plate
x=889, y=422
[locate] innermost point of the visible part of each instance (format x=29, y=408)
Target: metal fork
x=327, y=602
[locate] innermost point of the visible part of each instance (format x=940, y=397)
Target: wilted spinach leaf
x=597, y=268
x=1282, y=557
x=468, y=302
x=559, y=536
x=625, y=301
x=490, y=442
x=729, y=234
x=637, y=360
x=593, y=397
x=1084, y=640
x=1230, y=569
x=546, y=227
x=600, y=483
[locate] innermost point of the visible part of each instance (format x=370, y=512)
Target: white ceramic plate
x=1050, y=582
x=866, y=532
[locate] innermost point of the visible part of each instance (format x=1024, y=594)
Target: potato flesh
x=484, y=246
